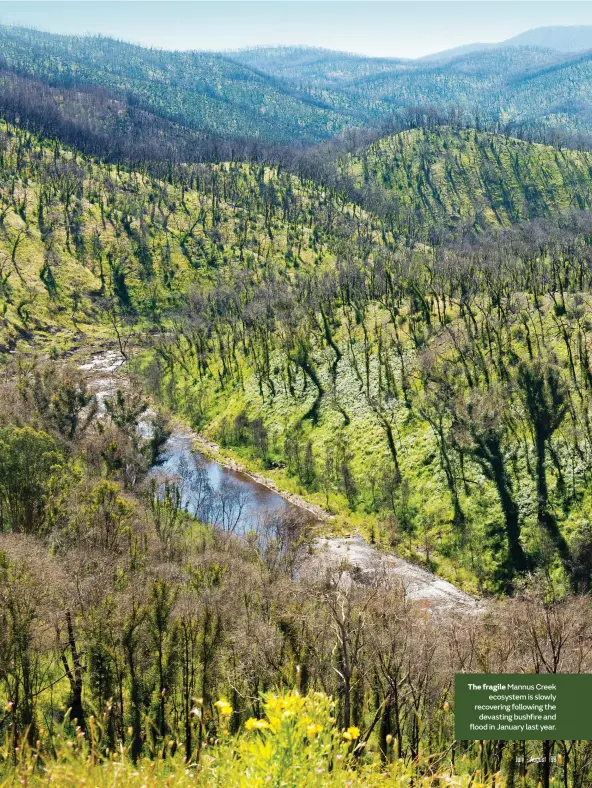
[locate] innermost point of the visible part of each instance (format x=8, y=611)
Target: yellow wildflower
x=314, y=729
x=223, y=707
x=253, y=724
x=352, y=733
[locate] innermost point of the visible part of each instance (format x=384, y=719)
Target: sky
x=372, y=27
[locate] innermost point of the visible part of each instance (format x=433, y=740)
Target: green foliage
x=106, y=517
x=465, y=178
x=134, y=620
x=296, y=743
x=60, y=397
x=363, y=337
x=421, y=395
x=30, y=467
x=140, y=241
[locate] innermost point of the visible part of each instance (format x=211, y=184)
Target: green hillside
x=283, y=305
x=84, y=245
x=433, y=397
x=465, y=177
x=422, y=396
x=295, y=410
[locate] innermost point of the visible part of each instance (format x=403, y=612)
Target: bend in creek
x=221, y=496
x=234, y=501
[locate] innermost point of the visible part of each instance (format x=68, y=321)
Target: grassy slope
x=74, y=308
x=551, y=180
x=471, y=560
x=465, y=176
x=428, y=502
x=141, y=230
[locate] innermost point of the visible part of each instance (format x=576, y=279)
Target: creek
x=236, y=502
x=222, y=496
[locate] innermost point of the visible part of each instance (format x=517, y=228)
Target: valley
x=295, y=409
x=227, y=497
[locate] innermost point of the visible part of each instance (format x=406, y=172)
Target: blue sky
x=394, y=29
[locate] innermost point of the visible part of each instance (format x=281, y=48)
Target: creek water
x=221, y=496
x=237, y=503
x=229, y=499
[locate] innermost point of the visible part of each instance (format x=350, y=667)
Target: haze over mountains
x=299, y=95
x=568, y=38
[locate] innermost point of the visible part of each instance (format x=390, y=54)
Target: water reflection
x=227, y=499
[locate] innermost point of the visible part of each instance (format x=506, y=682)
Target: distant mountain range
x=567, y=38
x=292, y=95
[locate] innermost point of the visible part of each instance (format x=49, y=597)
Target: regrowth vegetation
x=401, y=334
x=440, y=397
x=139, y=645
x=469, y=178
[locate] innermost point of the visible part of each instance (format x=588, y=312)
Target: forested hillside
x=87, y=245
x=399, y=335
x=317, y=67
x=440, y=398
x=464, y=177
x=204, y=91
x=289, y=96
x=284, y=306
x=524, y=87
